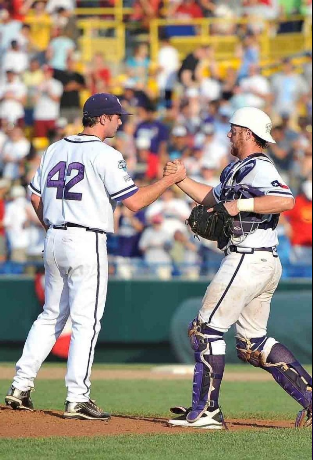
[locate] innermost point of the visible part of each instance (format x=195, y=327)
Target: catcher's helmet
x=256, y=120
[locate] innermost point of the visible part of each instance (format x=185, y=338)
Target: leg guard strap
x=209, y=368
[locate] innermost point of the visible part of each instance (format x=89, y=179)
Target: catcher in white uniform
x=74, y=194
x=254, y=194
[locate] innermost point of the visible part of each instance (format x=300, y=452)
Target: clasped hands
x=175, y=168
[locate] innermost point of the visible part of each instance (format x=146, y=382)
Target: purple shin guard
x=290, y=375
x=208, y=375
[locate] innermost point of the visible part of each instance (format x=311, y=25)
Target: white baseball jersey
x=80, y=179
x=257, y=171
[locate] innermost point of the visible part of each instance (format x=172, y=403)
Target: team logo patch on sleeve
x=122, y=165
x=277, y=184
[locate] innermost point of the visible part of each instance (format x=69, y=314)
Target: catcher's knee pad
x=254, y=351
x=206, y=340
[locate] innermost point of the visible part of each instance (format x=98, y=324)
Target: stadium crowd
x=181, y=110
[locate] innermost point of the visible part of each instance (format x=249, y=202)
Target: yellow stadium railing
x=273, y=46
x=92, y=41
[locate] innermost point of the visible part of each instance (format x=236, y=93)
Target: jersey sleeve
x=116, y=179
x=217, y=192
x=269, y=181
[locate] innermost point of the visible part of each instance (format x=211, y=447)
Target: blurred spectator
x=262, y=9
x=53, y=5
x=154, y=130
x=9, y=30
x=73, y=83
x=4, y=187
x=186, y=9
x=15, y=59
x=308, y=70
x=187, y=74
x=40, y=29
x=299, y=226
x=12, y=99
x=253, y=91
x=64, y=19
x=60, y=49
x=184, y=254
x=98, y=75
x=15, y=223
x=138, y=65
x=155, y=244
x=174, y=210
x=288, y=87
x=168, y=66
x=14, y=151
x=145, y=11
x=32, y=78
x=133, y=98
x=214, y=152
x=129, y=227
x=249, y=54
x=282, y=152
x=179, y=147
x=24, y=40
x=47, y=104
x=229, y=84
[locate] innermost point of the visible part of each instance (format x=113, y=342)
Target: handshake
x=175, y=171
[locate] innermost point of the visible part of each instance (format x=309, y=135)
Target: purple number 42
x=63, y=189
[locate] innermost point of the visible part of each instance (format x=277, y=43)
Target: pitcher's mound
x=43, y=424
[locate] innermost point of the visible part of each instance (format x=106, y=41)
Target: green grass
x=271, y=444
x=258, y=400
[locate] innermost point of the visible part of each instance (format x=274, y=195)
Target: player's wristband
x=246, y=205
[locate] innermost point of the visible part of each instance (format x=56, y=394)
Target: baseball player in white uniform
x=254, y=193
x=74, y=193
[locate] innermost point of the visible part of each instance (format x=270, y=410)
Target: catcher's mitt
x=211, y=225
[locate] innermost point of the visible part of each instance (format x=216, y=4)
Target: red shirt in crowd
x=189, y=11
x=300, y=219
x=2, y=209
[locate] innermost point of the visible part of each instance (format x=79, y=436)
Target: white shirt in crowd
x=211, y=89
x=250, y=86
x=53, y=5
x=169, y=62
x=15, y=221
x=15, y=151
x=11, y=109
x=154, y=243
x=46, y=108
x=16, y=60
x=175, y=212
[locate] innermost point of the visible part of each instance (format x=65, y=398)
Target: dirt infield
x=42, y=424
x=178, y=373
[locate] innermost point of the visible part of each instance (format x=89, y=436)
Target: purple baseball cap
x=103, y=104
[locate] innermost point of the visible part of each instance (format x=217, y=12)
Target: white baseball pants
x=241, y=294
x=76, y=266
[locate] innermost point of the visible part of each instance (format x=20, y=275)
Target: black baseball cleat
x=19, y=400
x=84, y=411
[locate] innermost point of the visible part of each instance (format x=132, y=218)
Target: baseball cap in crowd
x=18, y=192
x=103, y=104
x=208, y=129
x=4, y=183
x=180, y=131
x=209, y=164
